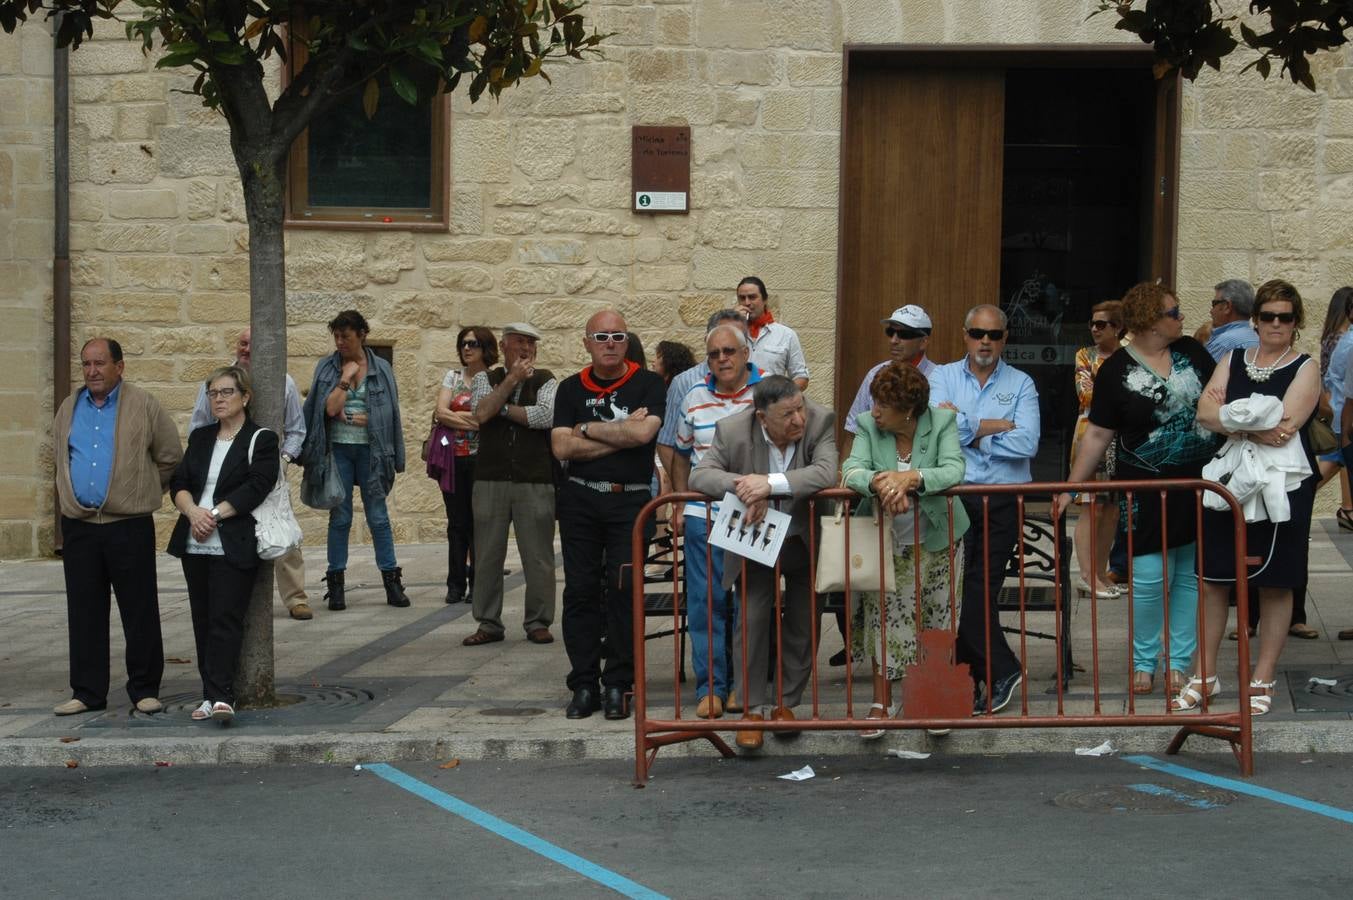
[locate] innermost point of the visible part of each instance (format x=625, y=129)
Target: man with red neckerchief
x=775, y=347
x=606, y=421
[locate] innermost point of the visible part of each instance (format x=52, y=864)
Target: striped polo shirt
x=700, y=410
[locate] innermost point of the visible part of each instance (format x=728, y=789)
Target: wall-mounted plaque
x=660, y=168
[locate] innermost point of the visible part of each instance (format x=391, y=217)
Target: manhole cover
x=1145, y=798
x=302, y=698
x=512, y=711
x=1328, y=690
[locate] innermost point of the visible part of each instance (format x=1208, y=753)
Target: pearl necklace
x=1260, y=373
x=226, y=438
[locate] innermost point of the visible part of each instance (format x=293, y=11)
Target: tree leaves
x=370, y=97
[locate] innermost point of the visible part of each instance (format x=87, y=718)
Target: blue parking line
x=616, y=882
x=1241, y=787
x=1157, y=790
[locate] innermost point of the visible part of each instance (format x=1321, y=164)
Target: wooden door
x=1164, y=184
x=920, y=206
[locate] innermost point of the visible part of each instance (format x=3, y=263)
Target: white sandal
x=203, y=712
x=874, y=734
x=222, y=712
x=1261, y=704
x=1190, y=698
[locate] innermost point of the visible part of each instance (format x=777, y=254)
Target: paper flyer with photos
x=759, y=542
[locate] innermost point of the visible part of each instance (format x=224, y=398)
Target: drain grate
x=315, y=704
x=517, y=711
x=1152, y=799
x=1310, y=696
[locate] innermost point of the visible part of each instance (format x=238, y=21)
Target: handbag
x=330, y=492
x=863, y=562
x=275, y=525
x=1322, y=436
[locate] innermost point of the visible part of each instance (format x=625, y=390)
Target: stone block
x=425, y=309
x=565, y=315
x=594, y=281
x=740, y=230
x=811, y=230
x=481, y=150
x=552, y=252
x=1226, y=189
x=133, y=238
x=6, y=180
x=125, y=306
x=671, y=105
x=1338, y=269
x=720, y=189
x=605, y=152
x=537, y=194
x=694, y=310
x=791, y=189
x=467, y=210
x=1303, y=270
x=759, y=24
x=19, y=493
x=201, y=200
x=1286, y=189
x=161, y=273
x=186, y=340
x=186, y=152
x=222, y=306
x=609, y=195
x=659, y=66
x=720, y=270
x=13, y=102
x=634, y=26
x=86, y=205
x=188, y=109
x=226, y=273
x=788, y=110
x=388, y=254
x=735, y=108
x=827, y=110
x=746, y=68
x=814, y=69
x=19, y=412
x=661, y=278
x=619, y=252
x=1236, y=230
x=87, y=271
x=202, y=239
x=648, y=311
x=108, y=58
x=1288, y=151
x=674, y=26
x=458, y=277
x=559, y=103
x=142, y=88
x=515, y=223
x=132, y=163
x=490, y=309
x=519, y=280
x=34, y=202
x=1338, y=157
x=801, y=271
x=143, y=204
x=320, y=261
x=20, y=453
x=1273, y=106
x=543, y=149
x=1292, y=230
x=488, y=250
x=1200, y=270
x=9, y=54
x=1332, y=228
x=137, y=122
x=584, y=221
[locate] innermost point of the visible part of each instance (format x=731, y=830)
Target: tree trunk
x=263, y=181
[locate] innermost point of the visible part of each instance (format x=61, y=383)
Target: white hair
x=728, y=326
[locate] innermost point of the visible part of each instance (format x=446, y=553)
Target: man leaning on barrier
x=780, y=452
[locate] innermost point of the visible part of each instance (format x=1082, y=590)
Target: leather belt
x=609, y=487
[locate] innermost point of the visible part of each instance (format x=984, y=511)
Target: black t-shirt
x=1157, y=435
x=584, y=398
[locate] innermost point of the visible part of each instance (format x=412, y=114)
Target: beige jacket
x=145, y=452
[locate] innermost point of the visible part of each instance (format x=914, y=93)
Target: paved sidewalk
x=378, y=683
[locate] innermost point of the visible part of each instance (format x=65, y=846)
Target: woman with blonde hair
x=1106, y=330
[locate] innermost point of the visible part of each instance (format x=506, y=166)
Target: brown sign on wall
x=660, y=168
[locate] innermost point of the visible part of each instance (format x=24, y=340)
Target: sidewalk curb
x=351, y=749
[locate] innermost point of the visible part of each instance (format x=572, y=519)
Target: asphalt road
x=1023, y=826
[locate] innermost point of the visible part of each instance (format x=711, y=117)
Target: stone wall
x=541, y=228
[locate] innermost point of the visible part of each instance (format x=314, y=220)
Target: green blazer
x=935, y=452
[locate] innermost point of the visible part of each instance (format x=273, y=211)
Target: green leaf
x=175, y=59
x=431, y=49
x=370, y=96
x=406, y=89
x=218, y=36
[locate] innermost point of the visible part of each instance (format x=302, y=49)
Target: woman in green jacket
x=905, y=448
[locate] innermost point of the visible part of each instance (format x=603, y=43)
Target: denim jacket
x=384, y=429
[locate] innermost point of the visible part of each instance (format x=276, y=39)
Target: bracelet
x=345, y=386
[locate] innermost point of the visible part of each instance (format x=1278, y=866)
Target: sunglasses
x=609, y=337
x=469, y=345
x=1174, y=312
x=906, y=334
x=1219, y=302
x=222, y=392
x=1102, y=323
x=977, y=334
x=720, y=352
x=1286, y=318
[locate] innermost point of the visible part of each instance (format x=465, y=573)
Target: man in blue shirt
x=1232, y=307
x=998, y=428
x=681, y=386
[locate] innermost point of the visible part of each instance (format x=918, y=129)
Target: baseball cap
x=911, y=316
x=522, y=329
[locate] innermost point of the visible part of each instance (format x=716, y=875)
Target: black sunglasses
x=718, y=352
x=1174, y=312
x=469, y=345
x=1286, y=318
x=1101, y=323
x=995, y=334
x=906, y=334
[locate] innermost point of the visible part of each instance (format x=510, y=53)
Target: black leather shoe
x=615, y=705
x=585, y=702
x=334, y=579
x=838, y=658
x=454, y=596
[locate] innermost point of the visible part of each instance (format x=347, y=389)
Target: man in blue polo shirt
x=1232, y=306
x=998, y=427
x=684, y=382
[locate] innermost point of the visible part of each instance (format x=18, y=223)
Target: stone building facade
x=541, y=228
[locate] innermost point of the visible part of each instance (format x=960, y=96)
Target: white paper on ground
x=1104, y=749
x=798, y=774
x=1327, y=682
x=907, y=754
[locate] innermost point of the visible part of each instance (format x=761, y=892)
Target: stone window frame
x=300, y=215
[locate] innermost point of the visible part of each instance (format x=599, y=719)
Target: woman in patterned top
x=1106, y=329
x=1146, y=405
x=477, y=349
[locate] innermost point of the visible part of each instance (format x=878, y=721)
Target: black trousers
x=460, y=528
x=984, y=568
x=594, y=534
x=117, y=556
x=218, y=594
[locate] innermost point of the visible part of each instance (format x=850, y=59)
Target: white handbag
x=863, y=561
x=275, y=525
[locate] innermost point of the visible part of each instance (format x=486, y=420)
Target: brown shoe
x=1346, y=634
x=751, y=740
x=302, y=612
x=539, y=636
x=783, y=714
x=732, y=704
x=709, y=707
x=482, y=637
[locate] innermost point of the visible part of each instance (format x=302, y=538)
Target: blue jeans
x=1148, y=615
x=354, y=462
x=698, y=577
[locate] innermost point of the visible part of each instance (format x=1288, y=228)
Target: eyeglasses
x=719, y=352
x=609, y=337
x=1286, y=318
x=469, y=345
x=1174, y=312
x=221, y=392
x=1102, y=323
x=977, y=334
x=906, y=334
x=1219, y=302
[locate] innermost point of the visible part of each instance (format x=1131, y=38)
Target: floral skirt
x=866, y=638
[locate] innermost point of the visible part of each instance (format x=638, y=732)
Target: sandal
x=874, y=734
x=1344, y=518
x=1260, y=704
x=1143, y=682
x=203, y=712
x=1175, y=681
x=1303, y=631
x=482, y=637
x=1190, y=697
x=222, y=712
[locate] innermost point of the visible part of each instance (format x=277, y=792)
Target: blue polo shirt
x=1008, y=394
x=675, y=391
x=1231, y=336
x=93, y=430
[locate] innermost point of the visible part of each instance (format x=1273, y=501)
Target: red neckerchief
x=754, y=326
x=586, y=377
x=916, y=361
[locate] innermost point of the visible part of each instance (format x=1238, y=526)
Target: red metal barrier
x=832, y=706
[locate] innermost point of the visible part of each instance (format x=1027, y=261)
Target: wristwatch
x=216, y=514
x=583, y=428
x=288, y=458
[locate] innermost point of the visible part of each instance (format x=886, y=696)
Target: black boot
x=334, y=594
x=394, y=588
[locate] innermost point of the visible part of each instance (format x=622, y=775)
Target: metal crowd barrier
x=831, y=701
